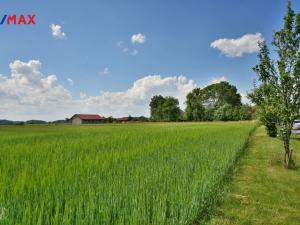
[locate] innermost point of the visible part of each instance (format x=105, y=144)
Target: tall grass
x=115, y=174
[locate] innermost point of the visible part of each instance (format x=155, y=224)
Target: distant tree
x=209, y=114
x=36, y=122
x=142, y=119
x=171, y=110
x=156, y=107
x=216, y=95
x=20, y=123
x=246, y=112
x=7, y=122
x=279, y=91
x=164, y=108
x=109, y=119
x=59, y=121
x=227, y=112
x=194, y=108
x=201, y=104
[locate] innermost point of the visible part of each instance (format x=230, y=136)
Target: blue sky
x=97, y=52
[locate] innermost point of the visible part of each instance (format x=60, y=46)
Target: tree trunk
x=288, y=160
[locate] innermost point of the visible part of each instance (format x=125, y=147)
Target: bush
x=21, y=123
x=227, y=112
x=271, y=129
x=269, y=120
x=209, y=114
x=246, y=112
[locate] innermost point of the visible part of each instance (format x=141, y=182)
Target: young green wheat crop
x=133, y=174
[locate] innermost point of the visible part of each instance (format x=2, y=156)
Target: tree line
x=219, y=101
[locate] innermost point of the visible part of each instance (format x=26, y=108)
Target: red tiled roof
x=89, y=116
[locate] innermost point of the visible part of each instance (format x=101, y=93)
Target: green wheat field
x=134, y=174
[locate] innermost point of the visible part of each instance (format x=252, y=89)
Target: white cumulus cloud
x=246, y=44
x=138, y=38
x=27, y=93
x=135, y=39
x=136, y=99
x=215, y=80
x=57, y=32
x=82, y=95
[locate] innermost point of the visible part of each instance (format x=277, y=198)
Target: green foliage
x=164, y=108
x=216, y=95
x=35, y=122
x=20, y=123
x=227, y=112
x=218, y=101
x=171, y=110
x=270, y=121
x=246, y=112
x=194, y=107
x=156, y=107
x=271, y=129
x=115, y=174
x=279, y=91
x=109, y=119
x=209, y=114
x=140, y=119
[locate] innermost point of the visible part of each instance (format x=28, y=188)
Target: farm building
x=123, y=119
x=86, y=119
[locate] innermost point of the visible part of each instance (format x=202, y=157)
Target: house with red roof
x=86, y=119
x=123, y=119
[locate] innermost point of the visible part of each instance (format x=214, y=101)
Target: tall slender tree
x=279, y=91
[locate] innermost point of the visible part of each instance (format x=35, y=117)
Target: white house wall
x=76, y=120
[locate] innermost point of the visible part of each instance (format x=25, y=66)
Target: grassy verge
x=262, y=191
